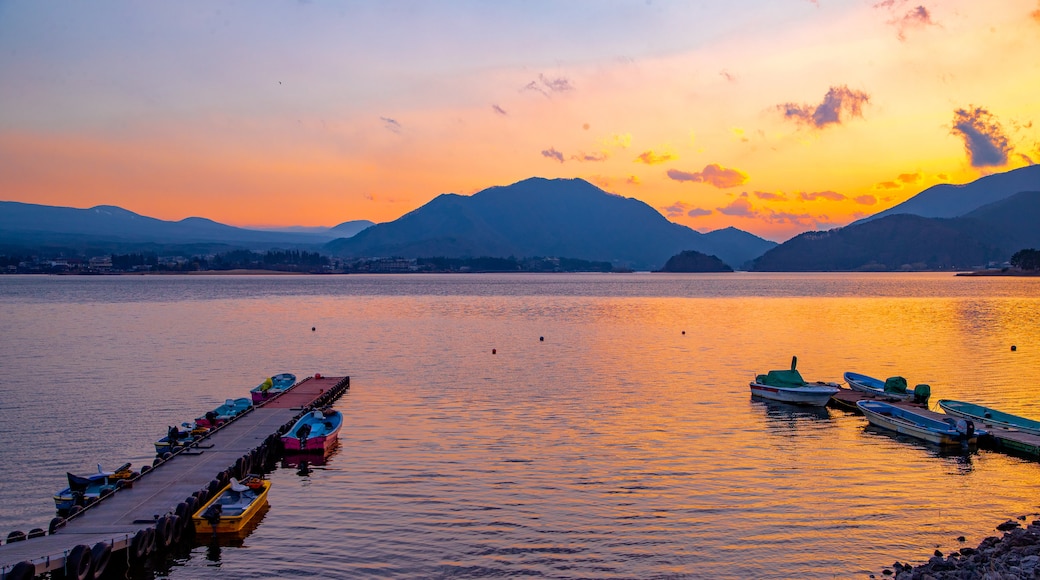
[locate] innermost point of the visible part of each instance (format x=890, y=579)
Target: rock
x=939, y=553
x=962, y=539
x=1008, y=525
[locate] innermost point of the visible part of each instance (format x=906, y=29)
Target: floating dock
x=152, y=512
x=999, y=438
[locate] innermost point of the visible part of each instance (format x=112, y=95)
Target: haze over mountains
x=950, y=227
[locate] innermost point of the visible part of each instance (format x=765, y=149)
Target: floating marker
x=1013, y=348
x=312, y=329
x=541, y=339
x=493, y=351
x=684, y=333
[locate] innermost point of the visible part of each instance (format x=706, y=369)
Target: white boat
x=890, y=388
x=945, y=431
x=788, y=386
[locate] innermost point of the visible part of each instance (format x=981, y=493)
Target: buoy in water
x=494, y=351
x=541, y=339
x=684, y=332
x=312, y=329
x=1013, y=348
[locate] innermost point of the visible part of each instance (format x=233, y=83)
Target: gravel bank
x=1014, y=556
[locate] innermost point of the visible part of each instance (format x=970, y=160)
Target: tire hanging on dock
x=139, y=549
x=100, y=554
x=24, y=570
x=78, y=563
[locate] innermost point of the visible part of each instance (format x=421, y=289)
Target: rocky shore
x=1014, y=556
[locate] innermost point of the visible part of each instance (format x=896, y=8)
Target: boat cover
x=784, y=378
x=895, y=385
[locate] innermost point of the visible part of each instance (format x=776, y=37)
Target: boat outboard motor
x=213, y=513
x=303, y=432
x=966, y=428
x=922, y=392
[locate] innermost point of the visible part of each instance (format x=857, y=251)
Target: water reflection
x=960, y=458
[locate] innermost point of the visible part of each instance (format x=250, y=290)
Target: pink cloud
x=839, y=102
x=652, y=158
x=815, y=195
x=714, y=174
x=552, y=153
x=865, y=200
x=984, y=139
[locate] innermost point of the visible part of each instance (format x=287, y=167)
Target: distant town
x=301, y=262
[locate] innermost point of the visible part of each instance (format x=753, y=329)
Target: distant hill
x=947, y=201
x=106, y=229
x=540, y=217
x=691, y=261
x=343, y=230
x=991, y=233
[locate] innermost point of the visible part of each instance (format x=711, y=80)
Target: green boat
x=988, y=416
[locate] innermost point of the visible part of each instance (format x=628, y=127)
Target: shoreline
x=1008, y=272
x=1014, y=555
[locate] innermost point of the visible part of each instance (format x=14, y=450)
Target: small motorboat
x=789, y=386
x=894, y=388
x=272, y=386
x=83, y=491
x=233, y=507
x=180, y=437
x=316, y=431
x=989, y=417
x=229, y=410
x=945, y=431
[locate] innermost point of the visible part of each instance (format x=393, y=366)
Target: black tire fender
x=100, y=554
x=79, y=563
x=139, y=545
x=21, y=571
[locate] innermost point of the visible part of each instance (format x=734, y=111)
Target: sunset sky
x=772, y=116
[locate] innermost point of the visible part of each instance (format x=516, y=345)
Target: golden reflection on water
x=624, y=444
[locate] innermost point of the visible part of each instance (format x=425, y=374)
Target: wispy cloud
x=838, y=104
x=391, y=125
x=714, y=174
x=917, y=17
x=597, y=156
x=499, y=110
x=815, y=195
x=621, y=140
x=865, y=199
x=677, y=209
x=546, y=86
x=651, y=157
x=552, y=153
x=770, y=196
x=740, y=207
x=898, y=183
x=887, y=185
x=984, y=139
x=1036, y=13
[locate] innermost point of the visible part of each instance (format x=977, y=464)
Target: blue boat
x=316, y=431
x=894, y=388
x=83, y=491
x=989, y=416
x=272, y=387
x=180, y=437
x=229, y=410
x=945, y=431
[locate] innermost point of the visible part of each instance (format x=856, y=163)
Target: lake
x=611, y=434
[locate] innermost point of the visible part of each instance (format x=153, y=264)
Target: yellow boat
x=233, y=507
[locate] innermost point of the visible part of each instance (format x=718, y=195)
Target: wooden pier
x=998, y=438
x=156, y=507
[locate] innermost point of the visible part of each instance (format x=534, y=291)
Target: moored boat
x=180, y=438
x=988, y=416
x=788, y=386
x=84, y=490
x=272, y=386
x=316, y=431
x=945, y=431
x=229, y=410
x=890, y=388
x=233, y=507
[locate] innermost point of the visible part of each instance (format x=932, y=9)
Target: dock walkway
x=117, y=519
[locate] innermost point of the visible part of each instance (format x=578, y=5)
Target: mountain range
x=546, y=217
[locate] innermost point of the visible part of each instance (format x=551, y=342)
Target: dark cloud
x=651, y=158
x=865, y=200
x=499, y=110
x=676, y=209
x=770, y=196
x=815, y=195
x=984, y=138
x=391, y=125
x=714, y=174
x=552, y=153
x=838, y=104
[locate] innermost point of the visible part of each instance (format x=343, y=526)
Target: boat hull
x=915, y=425
x=230, y=523
x=315, y=432
x=870, y=385
x=320, y=444
x=990, y=417
x=811, y=395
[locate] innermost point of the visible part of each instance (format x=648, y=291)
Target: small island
x=693, y=261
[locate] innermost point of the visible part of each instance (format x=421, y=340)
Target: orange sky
x=773, y=117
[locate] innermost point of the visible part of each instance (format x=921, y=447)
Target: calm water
x=618, y=447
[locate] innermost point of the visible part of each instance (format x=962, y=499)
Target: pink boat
x=272, y=387
x=315, y=432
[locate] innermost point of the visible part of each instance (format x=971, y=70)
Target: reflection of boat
x=229, y=410
x=778, y=410
x=989, y=416
x=947, y=431
x=233, y=507
x=891, y=388
x=86, y=490
x=316, y=431
x=789, y=387
x=272, y=386
x=298, y=459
